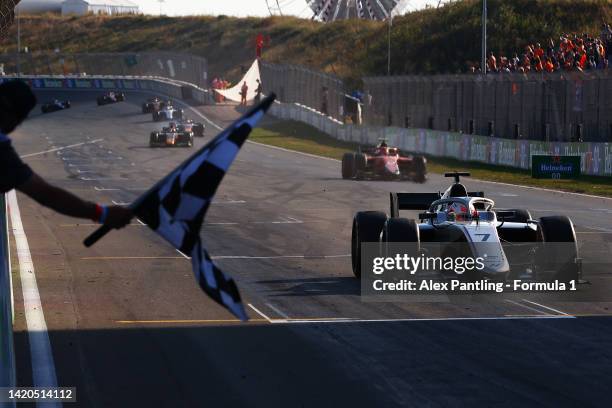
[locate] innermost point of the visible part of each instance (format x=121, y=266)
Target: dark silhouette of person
x=16, y=102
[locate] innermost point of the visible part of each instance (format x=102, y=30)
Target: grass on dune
x=304, y=138
x=428, y=41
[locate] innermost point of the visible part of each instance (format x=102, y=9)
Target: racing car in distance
x=152, y=105
x=168, y=112
x=383, y=162
x=173, y=135
x=54, y=106
x=110, y=97
x=189, y=125
x=544, y=249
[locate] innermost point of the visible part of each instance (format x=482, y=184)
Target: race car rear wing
x=418, y=201
x=411, y=201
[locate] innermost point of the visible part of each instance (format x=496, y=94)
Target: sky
x=239, y=8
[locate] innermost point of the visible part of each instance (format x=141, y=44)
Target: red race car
x=384, y=162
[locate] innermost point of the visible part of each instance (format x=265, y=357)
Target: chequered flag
x=175, y=208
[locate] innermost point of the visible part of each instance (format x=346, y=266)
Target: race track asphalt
x=129, y=327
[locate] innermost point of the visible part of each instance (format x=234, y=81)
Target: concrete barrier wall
x=596, y=157
x=171, y=88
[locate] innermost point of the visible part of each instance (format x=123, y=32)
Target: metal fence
x=7, y=359
x=569, y=106
x=183, y=67
x=295, y=84
x=7, y=14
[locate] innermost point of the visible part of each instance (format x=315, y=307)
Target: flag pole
x=105, y=229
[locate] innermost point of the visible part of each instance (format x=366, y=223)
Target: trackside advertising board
x=555, y=167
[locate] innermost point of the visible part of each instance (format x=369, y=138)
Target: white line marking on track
x=201, y=115
x=434, y=319
x=182, y=254
x=527, y=307
x=121, y=203
x=261, y=313
x=546, y=307
x=280, y=257
x=277, y=310
x=59, y=148
x=43, y=367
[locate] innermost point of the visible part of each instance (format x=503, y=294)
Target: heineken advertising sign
x=555, y=167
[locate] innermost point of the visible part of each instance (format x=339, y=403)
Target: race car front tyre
x=400, y=230
x=560, y=251
x=367, y=226
x=348, y=165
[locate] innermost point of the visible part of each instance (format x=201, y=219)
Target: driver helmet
x=456, y=211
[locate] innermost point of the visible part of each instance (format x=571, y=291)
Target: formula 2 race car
x=189, y=125
x=152, y=105
x=542, y=250
x=168, y=112
x=172, y=136
x=383, y=162
x=110, y=97
x=54, y=106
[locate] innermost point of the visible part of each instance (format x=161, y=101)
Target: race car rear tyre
x=520, y=215
x=67, y=104
x=420, y=169
x=156, y=117
x=348, y=165
x=198, y=130
x=367, y=226
x=361, y=162
x=562, y=254
x=153, y=139
x=179, y=114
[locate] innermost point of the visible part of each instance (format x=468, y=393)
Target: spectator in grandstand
x=492, y=63
x=16, y=102
x=575, y=52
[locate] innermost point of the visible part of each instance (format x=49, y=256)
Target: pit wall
x=596, y=158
